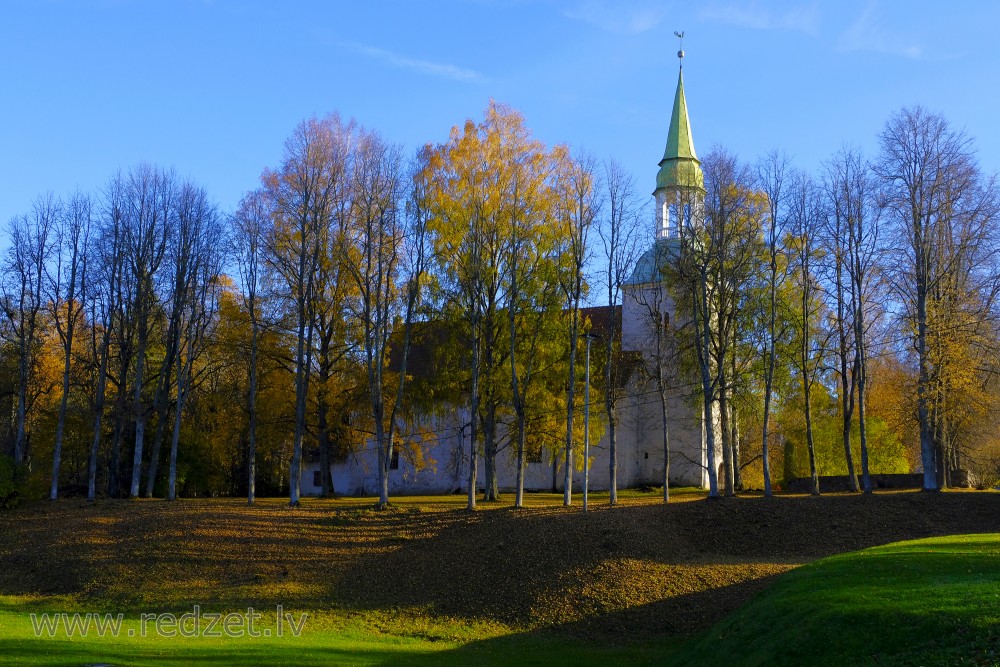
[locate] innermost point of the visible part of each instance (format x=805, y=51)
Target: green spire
x=680, y=167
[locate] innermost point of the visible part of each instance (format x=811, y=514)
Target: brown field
x=636, y=570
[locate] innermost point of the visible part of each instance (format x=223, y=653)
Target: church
x=647, y=310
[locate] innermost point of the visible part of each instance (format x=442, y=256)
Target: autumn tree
x=942, y=209
x=303, y=193
x=720, y=261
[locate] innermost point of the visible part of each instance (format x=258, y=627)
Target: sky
x=211, y=88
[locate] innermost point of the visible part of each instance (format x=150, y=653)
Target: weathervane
x=680, y=53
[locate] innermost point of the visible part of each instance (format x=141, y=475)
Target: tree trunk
x=140, y=412
x=727, y=449
x=521, y=433
x=570, y=400
x=102, y=377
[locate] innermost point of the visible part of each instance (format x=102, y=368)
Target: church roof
x=648, y=268
x=680, y=166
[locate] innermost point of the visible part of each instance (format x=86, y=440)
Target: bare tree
x=67, y=298
x=199, y=236
x=304, y=193
x=579, y=210
x=249, y=225
x=772, y=174
x=804, y=221
x=836, y=239
x=31, y=245
x=618, y=234
x=150, y=193
x=663, y=358
x=851, y=197
x=377, y=236
x=105, y=311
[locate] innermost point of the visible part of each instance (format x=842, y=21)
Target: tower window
x=394, y=461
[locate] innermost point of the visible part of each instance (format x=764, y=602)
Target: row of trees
x=807, y=310
x=798, y=287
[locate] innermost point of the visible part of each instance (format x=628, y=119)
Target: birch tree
x=772, y=174
x=618, y=234
x=578, y=210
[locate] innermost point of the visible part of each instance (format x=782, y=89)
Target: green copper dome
x=679, y=167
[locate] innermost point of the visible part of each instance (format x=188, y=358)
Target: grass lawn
x=925, y=602
x=327, y=638
x=426, y=583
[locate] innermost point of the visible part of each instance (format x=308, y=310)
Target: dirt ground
x=640, y=569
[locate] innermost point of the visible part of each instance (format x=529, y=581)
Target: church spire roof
x=680, y=167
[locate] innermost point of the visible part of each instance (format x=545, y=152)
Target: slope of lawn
x=924, y=602
x=427, y=583
x=327, y=638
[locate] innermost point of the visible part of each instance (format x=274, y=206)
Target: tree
x=851, y=199
x=150, y=196
x=578, y=209
x=478, y=187
x=67, y=297
x=304, y=196
x=249, y=226
x=377, y=237
x=772, y=173
x=720, y=262
x=942, y=209
x=106, y=306
x=840, y=207
x=663, y=352
x=533, y=300
x=198, y=235
x=31, y=245
x=618, y=234
x=804, y=221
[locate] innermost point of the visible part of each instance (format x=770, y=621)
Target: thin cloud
x=868, y=33
x=804, y=19
x=431, y=68
x=622, y=18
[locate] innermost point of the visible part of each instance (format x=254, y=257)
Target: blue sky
x=213, y=87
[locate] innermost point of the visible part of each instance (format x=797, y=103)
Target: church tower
x=680, y=184
x=649, y=317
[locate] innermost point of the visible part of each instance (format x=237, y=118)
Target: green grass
x=327, y=638
x=924, y=602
